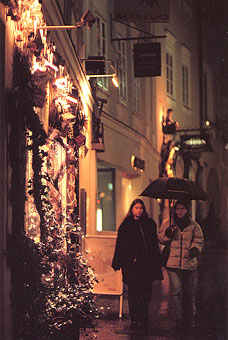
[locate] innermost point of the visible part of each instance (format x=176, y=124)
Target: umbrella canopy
x=175, y=188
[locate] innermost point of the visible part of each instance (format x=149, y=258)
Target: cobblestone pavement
x=211, y=302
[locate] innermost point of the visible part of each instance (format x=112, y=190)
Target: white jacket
x=190, y=237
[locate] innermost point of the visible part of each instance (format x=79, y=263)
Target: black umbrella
x=174, y=188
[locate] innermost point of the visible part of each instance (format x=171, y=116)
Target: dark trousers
x=139, y=295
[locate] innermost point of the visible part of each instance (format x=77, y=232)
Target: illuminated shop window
x=106, y=199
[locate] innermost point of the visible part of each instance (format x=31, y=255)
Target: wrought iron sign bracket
x=150, y=36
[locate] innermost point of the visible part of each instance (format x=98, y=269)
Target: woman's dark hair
x=134, y=202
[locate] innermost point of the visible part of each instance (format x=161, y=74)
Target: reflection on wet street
x=211, y=307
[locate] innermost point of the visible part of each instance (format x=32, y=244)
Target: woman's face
x=180, y=210
x=137, y=210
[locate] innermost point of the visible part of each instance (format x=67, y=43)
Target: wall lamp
x=220, y=124
x=208, y=123
x=112, y=75
x=87, y=19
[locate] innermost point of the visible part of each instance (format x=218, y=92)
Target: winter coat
x=137, y=251
x=190, y=237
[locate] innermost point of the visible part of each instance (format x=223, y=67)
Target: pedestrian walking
x=137, y=253
x=185, y=239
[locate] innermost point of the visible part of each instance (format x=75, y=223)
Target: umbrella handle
x=170, y=211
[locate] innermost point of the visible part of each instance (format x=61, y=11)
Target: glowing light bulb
x=61, y=83
x=115, y=81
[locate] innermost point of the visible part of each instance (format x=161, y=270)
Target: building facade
x=133, y=115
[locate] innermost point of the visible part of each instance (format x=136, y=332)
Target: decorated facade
x=51, y=281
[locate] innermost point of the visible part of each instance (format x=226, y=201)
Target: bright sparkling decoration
x=60, y=278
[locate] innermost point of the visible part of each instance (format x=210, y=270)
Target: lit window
x=106, y=200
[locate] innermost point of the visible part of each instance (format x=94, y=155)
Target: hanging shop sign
x=141, y=11
x=196, y=143
x=95, y=65
x=147, y=60
x=137, y=163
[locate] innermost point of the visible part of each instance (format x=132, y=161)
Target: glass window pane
x=106, y=200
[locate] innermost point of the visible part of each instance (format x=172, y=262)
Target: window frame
x=169, y=75
x=170, y=64
x=101, y=48
x=122, y=69
x=185, y=84
x=107, y=169
x=185, y=77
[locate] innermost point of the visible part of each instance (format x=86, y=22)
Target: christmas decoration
x=51, y=280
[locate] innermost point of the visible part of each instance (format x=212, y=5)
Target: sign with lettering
x=100, y=251
x=141, y=11
x=95, y=65
x=147, y=60
x=196, y=143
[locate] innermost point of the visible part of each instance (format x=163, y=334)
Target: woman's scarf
x=181, y=222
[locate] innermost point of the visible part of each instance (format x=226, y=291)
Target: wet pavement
x=211, y=306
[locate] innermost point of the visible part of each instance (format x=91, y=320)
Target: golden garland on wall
x=57, y=293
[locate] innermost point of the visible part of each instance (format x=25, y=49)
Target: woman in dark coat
x=137, y=254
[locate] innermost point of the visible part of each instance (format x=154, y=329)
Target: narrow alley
x=211, y=306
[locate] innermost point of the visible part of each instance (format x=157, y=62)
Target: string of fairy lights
x=51, y=175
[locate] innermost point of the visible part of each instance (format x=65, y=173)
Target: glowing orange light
x=115, y=81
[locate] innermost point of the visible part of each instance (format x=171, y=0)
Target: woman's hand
x=170, y=232
x=193, y=252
